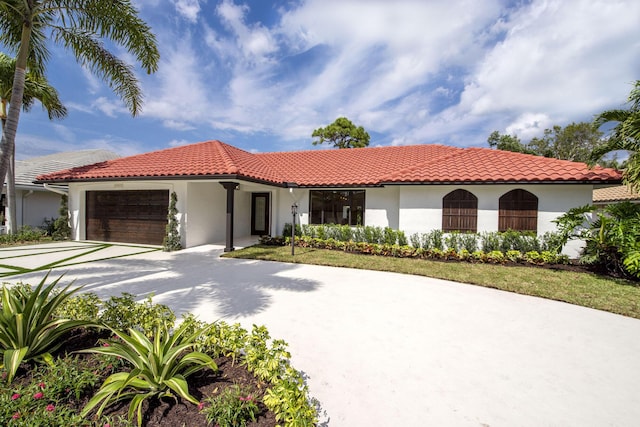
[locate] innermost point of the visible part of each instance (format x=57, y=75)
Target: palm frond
x=91, y=53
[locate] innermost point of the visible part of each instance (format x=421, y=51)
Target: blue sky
x=263, y=75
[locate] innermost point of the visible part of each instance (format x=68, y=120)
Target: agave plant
x=159, y=367
x=29, y=329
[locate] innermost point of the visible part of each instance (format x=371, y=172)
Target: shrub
x=172, y=239
x=28, y=328
x=125, y=313
x=490, y=241
x=233, y=407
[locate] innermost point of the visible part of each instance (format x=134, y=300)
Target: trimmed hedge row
x=406, y=251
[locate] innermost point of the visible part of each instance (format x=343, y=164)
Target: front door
x=260, y=214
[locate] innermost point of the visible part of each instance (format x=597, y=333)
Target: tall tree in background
x=343, y=134
x=81, y=26
x=573, y=142
x=35, y=88
x=625, y=136
x=507, y=143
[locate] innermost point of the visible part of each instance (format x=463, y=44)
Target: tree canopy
x=342, y=133
x=36, y=87
x=624, y=136
x=82, y=27
x=573, y=142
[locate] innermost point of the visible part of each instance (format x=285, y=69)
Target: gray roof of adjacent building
x=28, y=169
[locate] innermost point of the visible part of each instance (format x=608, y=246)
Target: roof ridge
x=227, y=157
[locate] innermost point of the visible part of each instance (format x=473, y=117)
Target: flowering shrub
x=233, y=407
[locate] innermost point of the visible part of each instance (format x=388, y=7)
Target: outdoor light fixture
x=294, y=212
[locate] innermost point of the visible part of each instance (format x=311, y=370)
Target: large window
x=460, y=211
x=337, y=207
x=518, y=211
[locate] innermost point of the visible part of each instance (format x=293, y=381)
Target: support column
x=230, y=187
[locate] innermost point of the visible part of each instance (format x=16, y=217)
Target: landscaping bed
x=155, y=374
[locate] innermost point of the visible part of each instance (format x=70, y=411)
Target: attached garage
x=127, y=216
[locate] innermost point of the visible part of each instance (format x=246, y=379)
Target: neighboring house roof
x=615, y=194
x=419, y=164
x=27, y=170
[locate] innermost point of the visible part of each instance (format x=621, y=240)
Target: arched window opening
x=460, y=211
x=518, y=211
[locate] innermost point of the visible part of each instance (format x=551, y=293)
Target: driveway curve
x=398, y=350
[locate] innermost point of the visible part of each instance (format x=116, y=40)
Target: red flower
x=38, y=395
x=42, y=385
x=16, y=415
x=200, y=406
x=15, y=396
x=50, y=408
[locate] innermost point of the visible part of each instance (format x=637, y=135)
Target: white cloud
x=254, y=41
x=109, y=107
x=179, y=142
x=529, y=125
x=558, y=57
x=188, y=8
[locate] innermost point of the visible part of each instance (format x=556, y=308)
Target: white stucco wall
x=412, y=209
x=421, y=206
x=33, y=207
x=206, y=213
x=382, y=207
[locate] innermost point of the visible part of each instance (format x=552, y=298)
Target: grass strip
x=579, y=288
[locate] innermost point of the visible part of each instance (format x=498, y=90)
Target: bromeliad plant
x=159, y=367
x=29, y=329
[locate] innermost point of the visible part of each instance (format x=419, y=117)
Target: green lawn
x=585, y=289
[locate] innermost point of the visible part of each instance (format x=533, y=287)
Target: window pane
x=337, y=207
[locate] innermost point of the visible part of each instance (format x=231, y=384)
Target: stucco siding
x=382, y=207
x=205, y=213
x=32, y=208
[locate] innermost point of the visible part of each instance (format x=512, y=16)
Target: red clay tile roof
x=340, y=168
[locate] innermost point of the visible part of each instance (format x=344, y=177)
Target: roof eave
x=238, y=177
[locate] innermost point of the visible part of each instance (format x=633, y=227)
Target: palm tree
x=36, y=88
x=26, y=26
x=624, y=136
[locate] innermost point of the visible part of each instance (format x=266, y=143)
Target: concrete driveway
x=384, y=349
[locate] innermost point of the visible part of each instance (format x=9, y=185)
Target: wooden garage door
x=131, y=216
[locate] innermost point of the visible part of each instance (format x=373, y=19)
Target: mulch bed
x=169, y=411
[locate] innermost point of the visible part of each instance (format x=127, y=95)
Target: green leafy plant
x=29, y=330
x=233, y=407
x=159, y=368
x=172, y=239
x=124, y=312
x=80, y=307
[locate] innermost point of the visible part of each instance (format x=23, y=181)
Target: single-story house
x=34, y=203
x=617, y=194
x=224, y=191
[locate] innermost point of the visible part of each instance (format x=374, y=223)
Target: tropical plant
x=82, y=26
x=624, y=136
x=61, y=229
x=35, y=88
x=160, y=368
x=29, y=330
x=611, y=237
